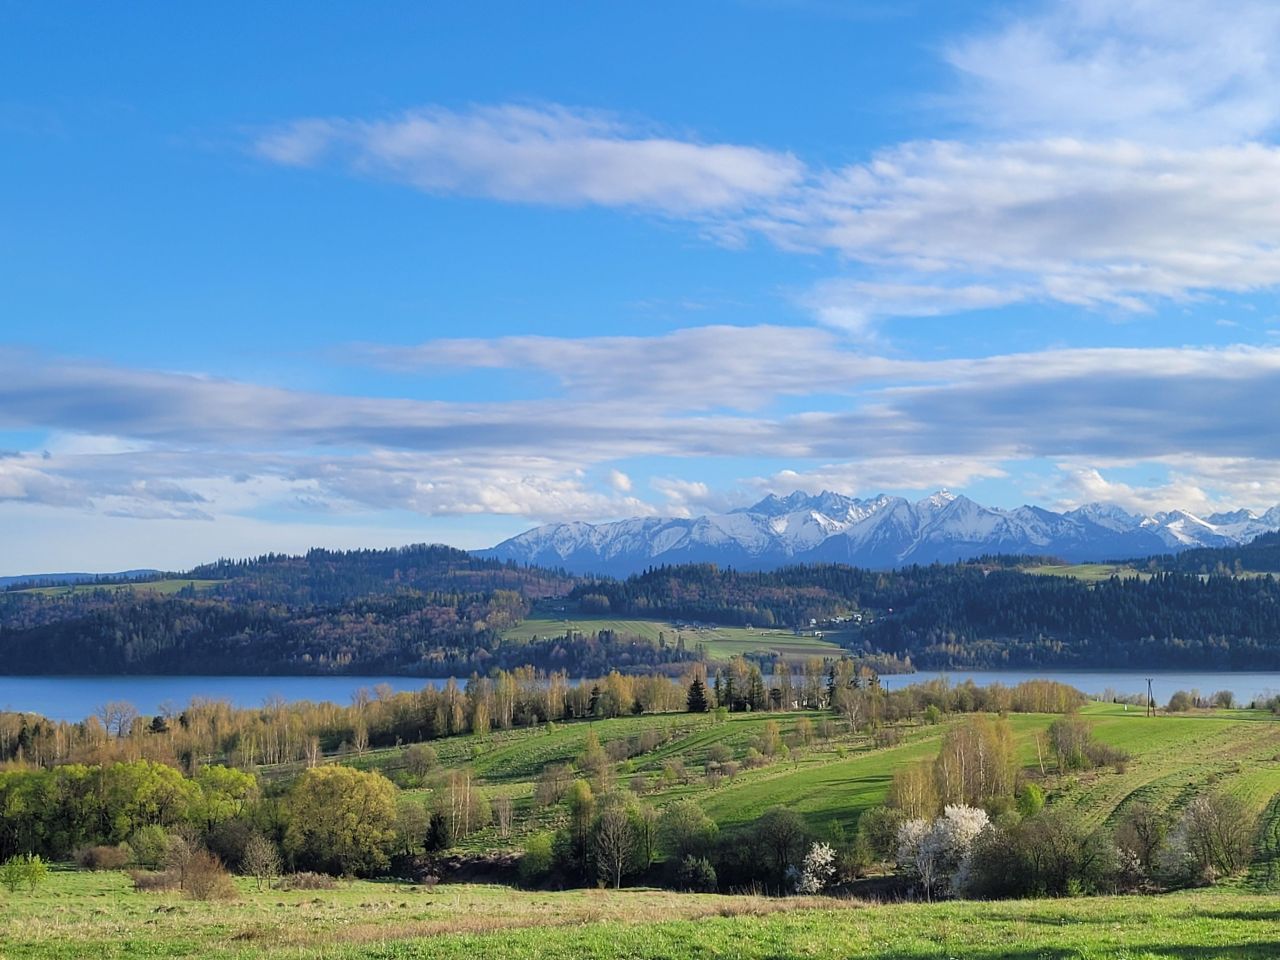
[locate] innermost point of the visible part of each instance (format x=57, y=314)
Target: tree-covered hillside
x=425, y=610
x=984, y=615
x=1262, y=555
x=434, y=611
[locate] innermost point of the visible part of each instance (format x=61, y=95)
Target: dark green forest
x=435, y=611
x=426, y=611
x=979, y=615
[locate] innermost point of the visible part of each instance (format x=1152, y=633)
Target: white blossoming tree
x=935, y=854
x=818, y=870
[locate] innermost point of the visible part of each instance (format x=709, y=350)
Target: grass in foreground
x=100, y=916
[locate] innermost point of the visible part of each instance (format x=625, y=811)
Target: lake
x=1245, y=685
x=74, y=698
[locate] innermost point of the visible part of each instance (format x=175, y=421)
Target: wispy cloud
x=1168, y=71
x=174, y=445
x=544, y=155
x=936, y=227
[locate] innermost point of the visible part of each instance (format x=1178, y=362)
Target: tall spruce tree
x=697, y=699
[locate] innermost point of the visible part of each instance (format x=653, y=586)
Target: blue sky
x=292, y=274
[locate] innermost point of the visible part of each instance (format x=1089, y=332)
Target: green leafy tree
x=685, y=830
x=341, y=820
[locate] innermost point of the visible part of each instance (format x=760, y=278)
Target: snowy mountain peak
x=936, y=501
x=880, y=532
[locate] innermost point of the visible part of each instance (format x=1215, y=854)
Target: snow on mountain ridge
x=882, y=531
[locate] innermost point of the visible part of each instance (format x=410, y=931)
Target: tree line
x=982, y=614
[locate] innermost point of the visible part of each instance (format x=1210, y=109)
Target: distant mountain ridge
x=65, y=579
x=880, y=532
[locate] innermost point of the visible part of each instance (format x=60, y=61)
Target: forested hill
x=1262, y=555
x=333, y=576
x=425, y=610
x=983, y=615
x=435, y=611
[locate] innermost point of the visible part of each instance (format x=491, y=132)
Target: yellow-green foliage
x=341, y=819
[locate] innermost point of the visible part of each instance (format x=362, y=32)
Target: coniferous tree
x=697, y=696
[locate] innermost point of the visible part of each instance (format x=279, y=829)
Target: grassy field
x=100, y=916
x=1092, y=572
x=720, y=643
x=166, y=587
x=833, y=780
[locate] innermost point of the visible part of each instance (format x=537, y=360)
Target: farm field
x=719, y=642
x=832, y=779
x=98, y=915
x=165, y=587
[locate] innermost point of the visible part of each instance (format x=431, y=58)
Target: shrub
x=696, y=874
x=104, y=857
x=420, y=759
x=306, y=880
x=878, y=832
x=1050, y=854
x=537, y=859
x=1217, y=833
x=25, y=870
x=1030, y=800
x=685, y=830
x=1181, y=701
x=208, y=879
x=817, y=871
x=149, y=845
x=1143, y=832
x=228, y=839
x=147, y=881
x=781, y=839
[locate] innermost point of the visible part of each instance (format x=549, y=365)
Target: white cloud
x=855, y=305
x=163, y=445
x=880, y=473
x=1091, y=224
x=545, y=155
x=692, y=368
x=934, y=227
x=1199, y=484
x=1157, y=70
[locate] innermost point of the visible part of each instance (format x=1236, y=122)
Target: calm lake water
x=74, y=698
x=1246, y=686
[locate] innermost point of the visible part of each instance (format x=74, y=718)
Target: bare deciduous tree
x=261, y=860
x=615, y=843
x=502, y=814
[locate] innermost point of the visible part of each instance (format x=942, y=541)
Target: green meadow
x=99, y=916
x=830, y=780
x=719, y=642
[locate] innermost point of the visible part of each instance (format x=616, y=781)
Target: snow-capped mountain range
x=880, y=532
